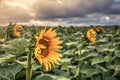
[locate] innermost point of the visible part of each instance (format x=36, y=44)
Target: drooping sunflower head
x=91, y=35
x=17, y=30
x=46, y=48
x=99, y=29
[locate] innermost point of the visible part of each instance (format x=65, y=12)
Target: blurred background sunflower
x=91, y=35
x=17, y=30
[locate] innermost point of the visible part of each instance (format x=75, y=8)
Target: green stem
x=29, y=67
x=80, y=63
x=81, y=47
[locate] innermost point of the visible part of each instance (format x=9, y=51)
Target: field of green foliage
x=81, y=59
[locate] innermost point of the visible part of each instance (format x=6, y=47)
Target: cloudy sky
x=60, y=12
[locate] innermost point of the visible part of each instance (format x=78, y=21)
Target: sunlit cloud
x=47, y=23
x=25, y=4
x=60, y=1
x=107, y=18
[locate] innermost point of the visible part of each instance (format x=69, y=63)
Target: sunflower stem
x=29, y=67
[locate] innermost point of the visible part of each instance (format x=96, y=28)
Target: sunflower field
x=59, y=53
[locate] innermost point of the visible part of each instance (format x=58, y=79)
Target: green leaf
x=77, y=71
x=23, y=64
x=22, y=60
x=36, y=66
x=4, y=78
x=71, y=43
x=102, y=68
x=15, y=68
x=62, y=78
x=109, y=77
x=27, y=35
x=20, y=74
x=96, y=77
x=76, y=34
x=66, y=59
x=44, y=77
x=117, y=53
x=9, y=71
x=103, y=48
x=68, y=53
x=18, y=46
x=85, y=51
x=6, y=58
x=93, y=54
x=115, y=64
x=65, y=66
x=108, y=35
x=89, y=70
x=104, y=40
x=60, y=73
x=99, y=59
x=117, y=38
x=90, y=47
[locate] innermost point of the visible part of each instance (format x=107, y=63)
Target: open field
x=82, y=59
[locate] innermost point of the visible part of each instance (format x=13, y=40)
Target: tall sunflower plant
x=30, y=56
x=45, y=50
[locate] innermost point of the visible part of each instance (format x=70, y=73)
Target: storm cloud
x=61, y=11
x=77, y=8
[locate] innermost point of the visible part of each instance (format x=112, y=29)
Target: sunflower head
x=46, y=48
x=99, y=29
x=17, y=30
x=2, y=40
x=91, y=35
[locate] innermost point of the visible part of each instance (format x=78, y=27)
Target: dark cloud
x=78, y=8
x=96, y=20
x=113, y=9
x=62, y=11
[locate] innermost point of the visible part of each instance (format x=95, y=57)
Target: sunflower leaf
x=6, y=58
x=9, y=71
x=99, y=59
x=44, y=77
x=18, y=46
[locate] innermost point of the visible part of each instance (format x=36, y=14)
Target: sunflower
x=46, y=48
x=99, y=29
x=2, y=40
x=17, y=30
x=91, y=35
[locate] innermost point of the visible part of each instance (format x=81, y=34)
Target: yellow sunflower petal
x=41, y=46
x=51, y=33
x=46, y=66
x=42, y=32
x=47, y=45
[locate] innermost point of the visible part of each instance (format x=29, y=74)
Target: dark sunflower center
x=19, y=29
x=44, y=51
